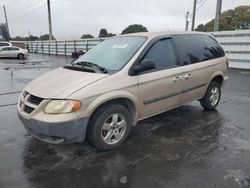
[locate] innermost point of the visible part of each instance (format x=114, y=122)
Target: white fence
x=237, y=46
x=235, y=43
x=61, y=47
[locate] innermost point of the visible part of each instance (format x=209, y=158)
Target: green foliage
x=31, y=37
x=104, y=33
x=135, y=28
x=4, y=32
x=233, y=19
x=46, y=37
x=111, y=35
x=87, y=36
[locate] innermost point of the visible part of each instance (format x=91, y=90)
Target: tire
x=109, y=126
x=20, y=56
x=212, y=96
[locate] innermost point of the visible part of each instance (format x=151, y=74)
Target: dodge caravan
x=123, y=80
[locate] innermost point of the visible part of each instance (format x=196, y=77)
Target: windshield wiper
x=90, y=64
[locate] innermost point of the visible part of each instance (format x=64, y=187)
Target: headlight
x=62, y=106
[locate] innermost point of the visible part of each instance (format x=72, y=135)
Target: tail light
x=227, y=63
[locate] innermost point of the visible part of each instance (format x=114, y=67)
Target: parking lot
x=185, y=147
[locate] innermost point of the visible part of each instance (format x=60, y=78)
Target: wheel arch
x=126, y=99
x=20, y=53
x=218, y=77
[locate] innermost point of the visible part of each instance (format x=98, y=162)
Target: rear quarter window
x=213, y=49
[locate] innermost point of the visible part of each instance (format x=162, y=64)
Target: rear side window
x=213, y=49
x=163, y=54
x=190, y=48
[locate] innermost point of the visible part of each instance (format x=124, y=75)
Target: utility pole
x=6, y=20
x=49, y=19
x=187, y=22
x=193, y=17
x=29, y=34
x=217, y=15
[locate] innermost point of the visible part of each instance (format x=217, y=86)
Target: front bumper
x=64, y=132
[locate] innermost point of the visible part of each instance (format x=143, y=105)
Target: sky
x=78, y=17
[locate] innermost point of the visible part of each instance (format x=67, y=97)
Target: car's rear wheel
x=109, y=126
x=212, y=96
x=20, y=56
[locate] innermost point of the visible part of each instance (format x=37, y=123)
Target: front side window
x=5, y=49
x=114, y=53
x=162, y=54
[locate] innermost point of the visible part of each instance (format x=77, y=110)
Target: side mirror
x=145, y=65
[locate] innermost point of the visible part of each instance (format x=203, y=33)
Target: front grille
x=25, y=93
x=35, y=100
x=29, y=100
x=28, y=109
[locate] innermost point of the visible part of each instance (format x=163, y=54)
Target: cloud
x=76, y=17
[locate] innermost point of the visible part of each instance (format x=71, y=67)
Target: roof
x=164, y=33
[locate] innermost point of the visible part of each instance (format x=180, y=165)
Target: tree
x=111, y=35
x=46, y=37
x=18, y=38
x=32, y=37
x=233, y=19
x=103, y=33
x=135, y=28
x=4, y=32
x=87, y=36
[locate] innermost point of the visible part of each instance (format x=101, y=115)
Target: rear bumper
x=56, y=133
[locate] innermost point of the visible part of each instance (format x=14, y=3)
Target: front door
x=5, y=52
x=160, y=89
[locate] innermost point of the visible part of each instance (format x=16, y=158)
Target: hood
x=61, y=82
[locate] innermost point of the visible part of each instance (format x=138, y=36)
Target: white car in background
x=3, y=43
x=13, y=52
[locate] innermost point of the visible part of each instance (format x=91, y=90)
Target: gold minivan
x=123, y=80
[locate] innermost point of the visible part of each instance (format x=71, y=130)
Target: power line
x=20, y=16
x=23, y=8
x=9, y=3
x=201, y=5
x=197, y=8
x=20, y=3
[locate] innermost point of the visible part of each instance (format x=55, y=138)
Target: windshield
x=114, y=53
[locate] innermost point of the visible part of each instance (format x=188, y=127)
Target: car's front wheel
x=212, y=96
x=109, y=126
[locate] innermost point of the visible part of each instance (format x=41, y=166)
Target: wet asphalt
x=185, y=147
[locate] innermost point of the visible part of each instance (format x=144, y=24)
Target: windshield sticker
x=120, y=46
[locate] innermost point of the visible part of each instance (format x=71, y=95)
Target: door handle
x=175, y=79
x=187, y=76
